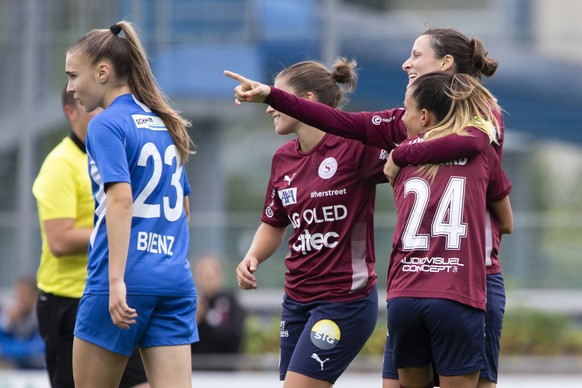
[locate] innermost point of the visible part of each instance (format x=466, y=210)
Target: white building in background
x=558, y=28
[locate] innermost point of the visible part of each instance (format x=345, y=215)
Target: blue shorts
x=448, y=334
x=320, y=339
x=389, y=371
x=493, y=324
x=161, y=321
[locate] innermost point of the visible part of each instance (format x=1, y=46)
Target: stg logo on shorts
x=325, y=334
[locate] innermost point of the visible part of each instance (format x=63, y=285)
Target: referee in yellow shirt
x=65, y=209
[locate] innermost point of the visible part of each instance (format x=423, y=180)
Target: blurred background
x=191, y=42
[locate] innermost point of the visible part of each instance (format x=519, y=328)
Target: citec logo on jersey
x=288, y=196
x=154, y=123
x=307, y=241
x=327, y=168
x=325, y=334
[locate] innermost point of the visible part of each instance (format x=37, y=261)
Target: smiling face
x=83, y=81
x=284, y=125
x=424, y=60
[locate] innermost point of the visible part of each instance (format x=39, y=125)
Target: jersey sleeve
x=274, y=213
x=381, y=129
x=55, y=190
x=372, y=163
x=443, y=149
x=185, y=182
x=106, y=146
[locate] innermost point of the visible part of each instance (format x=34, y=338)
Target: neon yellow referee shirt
x=63, y=190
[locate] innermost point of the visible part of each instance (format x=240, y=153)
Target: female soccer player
x=139, y=288
x=451, y=51
x=324, y=187
x=436, y=280
x=435, y=50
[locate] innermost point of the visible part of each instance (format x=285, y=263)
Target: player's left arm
x=187, y=209
x=119, y=213
x=64, y=238
x=501, y=210
x=498, y=193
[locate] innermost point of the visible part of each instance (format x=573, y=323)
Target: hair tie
x=115, y=29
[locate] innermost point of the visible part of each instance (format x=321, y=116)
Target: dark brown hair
x=315, y=77
x=457, y=101
x=469, y=54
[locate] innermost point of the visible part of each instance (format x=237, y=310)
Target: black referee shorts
x=56, y=321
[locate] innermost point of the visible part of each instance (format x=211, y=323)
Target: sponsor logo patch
x=327, y=168
x=288, y=196
x=284, y=333
x=325, y=334
x=377, y=119
x=150, y=122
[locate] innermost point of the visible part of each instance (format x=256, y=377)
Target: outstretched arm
x=381, y=129
x=248, y=90
x=441, y=150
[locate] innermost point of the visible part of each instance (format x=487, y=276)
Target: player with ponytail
x=140, y=290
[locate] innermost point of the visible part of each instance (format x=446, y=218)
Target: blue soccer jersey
x=129, y=143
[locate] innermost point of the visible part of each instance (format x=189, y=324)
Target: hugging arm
x=443, y=149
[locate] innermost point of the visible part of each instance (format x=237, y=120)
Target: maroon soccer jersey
x=327, y=196
x=440, y=232
x=442, y=150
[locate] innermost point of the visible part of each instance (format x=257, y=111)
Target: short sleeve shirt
x=62, y=190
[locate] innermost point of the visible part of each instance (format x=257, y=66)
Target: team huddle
x=445, y=293
x=441, y=152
